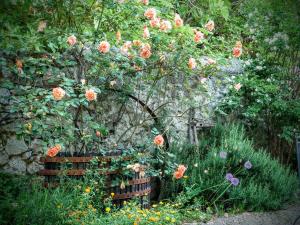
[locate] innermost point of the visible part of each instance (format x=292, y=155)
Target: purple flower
x=235, y=181
x=229, y=176
x=223, y=155
x=248, y=165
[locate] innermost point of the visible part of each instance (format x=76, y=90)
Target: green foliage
x=24, y=201
x=35, y=58
x=268, y=102
x=264, y=186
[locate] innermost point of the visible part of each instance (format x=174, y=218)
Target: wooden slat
x=71, y=172
x=139, y=181
x=132, y=194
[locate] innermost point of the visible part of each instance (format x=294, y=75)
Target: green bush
x=266, y=185
x=24, y=201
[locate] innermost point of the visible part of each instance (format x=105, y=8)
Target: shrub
x=266, y=185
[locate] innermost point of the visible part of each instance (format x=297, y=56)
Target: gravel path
x=282, y=217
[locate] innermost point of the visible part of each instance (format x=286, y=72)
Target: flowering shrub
x=233, y=175
x=61, y=85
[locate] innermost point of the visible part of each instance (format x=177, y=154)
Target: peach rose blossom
x=181, y=169
x=177, y=175
x=53, y=151
x=137, y=43
x=178, y=21
x=150, y=13
x=165, y=25
x=145, y=51
x=98, y=133
x=198, y=36
x=118, y=36
x=58, y=146
x=179, y=172
x=58, y=93
x=19, y=64
x=104, y=47
x=124, y=50
x=237, y=52
x=126, y=46
x=90, y=95
x=237, y=86
x=192, y=63
x=145, y=2
x=146, y=33
x=72, y=40
x=42, y=26
x=210, y=26
x=238, y=44
x=211, y=61
x=159, y=140
x=155, y=22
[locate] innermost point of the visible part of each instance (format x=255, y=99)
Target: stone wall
x=182, y=112
x=18, y=158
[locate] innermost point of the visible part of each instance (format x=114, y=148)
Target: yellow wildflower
x=107, y=209
x=157, y=213
x=153, y=219
x=112, y=194
x=87, y=190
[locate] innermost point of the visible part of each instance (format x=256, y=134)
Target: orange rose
x=211, y=61
x=58, y=146
x=181, y=169
x=150, y=13
x=19, y=64
x=72, y=40
x=58, y=93
x=155, y=22
x=165, y=25
x=179, y=172
x=238, y=44
x=210, y=26
x=137, y=43
x=192, y=63
x=145, y=2
x=118, y=36
x=145, y=51
x=159, y=140
x=237, y=52
x=53, y=151
x=146, y=33
x=178, y=21
x=104, y=47
x=98, y=133
x=90, y=95
x=198, y=36
x=177, y=175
